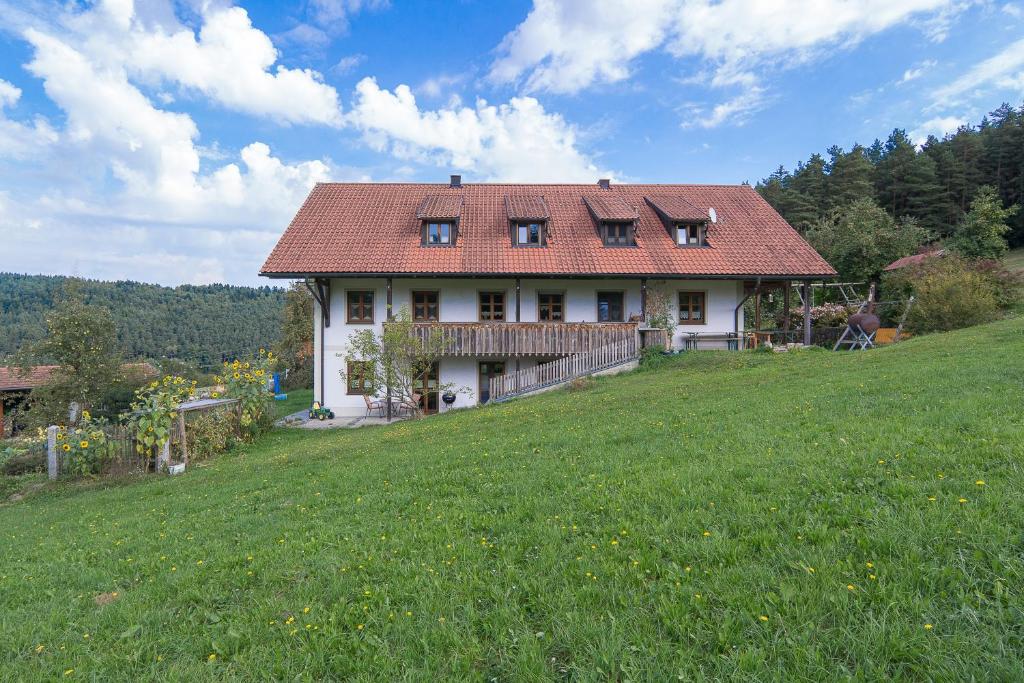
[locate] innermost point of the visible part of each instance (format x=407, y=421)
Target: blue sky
x=171, y=142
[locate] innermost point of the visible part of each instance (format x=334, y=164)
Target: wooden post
x=518, y=297
x=785, y=312
x=52, y=464
x=181, y=428
x=163, y=460
x=807, y=313
x=390, y=311
x=757, y=317
x=643, y=299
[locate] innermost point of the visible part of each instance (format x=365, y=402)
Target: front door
x=426, y=387
x=489, y=370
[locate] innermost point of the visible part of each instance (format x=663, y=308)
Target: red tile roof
x=437, y=206
x=609, y=207
x=372, y=228
x=677, y=209
x=12, y=379
x=914, y=259
x=526, y=207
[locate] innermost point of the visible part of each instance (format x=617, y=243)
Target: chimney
x=604, y=183
x=456, y=181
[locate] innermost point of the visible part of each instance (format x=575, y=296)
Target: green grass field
x=1015, y=259
x=756, y=516
x=297, y=400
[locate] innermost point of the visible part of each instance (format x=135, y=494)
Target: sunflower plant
x=155, y=408
x=247, y=381
x=85, y=448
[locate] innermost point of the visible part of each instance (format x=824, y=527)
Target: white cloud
x=19, y=140
x=1004, y=70
x=348, y=63
x=565, y=47
x=736, y=110
x=518, y=141
x=917, y=71
x=938, y=126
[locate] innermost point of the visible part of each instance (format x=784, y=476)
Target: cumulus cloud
x=564, y=47
x=20, y=140
x=517, y=141
x=938, y=126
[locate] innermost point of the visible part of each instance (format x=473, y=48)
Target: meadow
x=809, y=515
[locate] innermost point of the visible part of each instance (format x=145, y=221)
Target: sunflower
x=83, y=443
x=66, y=447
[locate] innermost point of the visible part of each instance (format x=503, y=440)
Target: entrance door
x=488, y=370
x=426, y=387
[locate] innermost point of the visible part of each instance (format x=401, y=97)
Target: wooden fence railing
x=526, y=339
x=562, y=370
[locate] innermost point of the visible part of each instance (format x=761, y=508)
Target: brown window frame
x=541, y=234
x=480, y=305
x=703, y=307
x=597, y=301
x=437, y=305
x=453, y=230
x=351, y=370
x=702, y=234
x=362, y=306
x=630, y=233
x=540, y=306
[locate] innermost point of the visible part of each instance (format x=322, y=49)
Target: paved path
x=300, y=420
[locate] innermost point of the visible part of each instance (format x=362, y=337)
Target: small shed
x=15, y=385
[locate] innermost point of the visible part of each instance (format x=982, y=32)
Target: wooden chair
x=372, y=405
x=411, y=406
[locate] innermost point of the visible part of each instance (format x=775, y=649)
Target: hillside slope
x=813, y=515
x=197, y=323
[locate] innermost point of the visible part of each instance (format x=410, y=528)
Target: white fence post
x=163, y=461
x=52, y=464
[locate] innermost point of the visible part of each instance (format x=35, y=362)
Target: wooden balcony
x=527, y=339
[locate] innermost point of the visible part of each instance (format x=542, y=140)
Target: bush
x=211, y=433
x=951, y=293
x=652, y=358
x=24, y=462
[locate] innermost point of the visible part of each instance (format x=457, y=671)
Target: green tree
x=295, y=349
x=849, y=177
x=82, y=342
x=861, y=239
x=981, y=234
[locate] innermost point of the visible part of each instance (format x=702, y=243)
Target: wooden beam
x=390, y=311
x=807, y=313
x=643, y=299
x=519, y=293
x=785, y=311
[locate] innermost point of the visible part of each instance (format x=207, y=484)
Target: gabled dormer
x=686, y=224
x=439, y=219
x=614, y=218
x=528, y=220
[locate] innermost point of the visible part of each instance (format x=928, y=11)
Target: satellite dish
x=714, y=216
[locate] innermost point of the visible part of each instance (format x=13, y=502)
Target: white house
x=525, y=277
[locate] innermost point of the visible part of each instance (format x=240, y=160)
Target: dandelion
x=359, y=627
x=707, y=533
x=872, y=577
x=212, y=657
x=962, y=500
x=763, y=618
x=40, y=648
x=850, y=587
x=980, y=482
x=305, y=610
x=870, y=565
x=68, y=672
x=927, y=627
x=931, y=499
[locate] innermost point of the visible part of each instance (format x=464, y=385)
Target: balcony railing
x=527, y=339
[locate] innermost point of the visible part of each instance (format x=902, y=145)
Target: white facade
x=458, y=302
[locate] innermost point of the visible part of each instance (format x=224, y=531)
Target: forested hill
x=934, y=183
x=195, y=323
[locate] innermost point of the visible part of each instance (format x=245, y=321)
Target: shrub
x=24, y=462
x=950, y=293
x=825, y=315
x=652, y=358
x=211, y=433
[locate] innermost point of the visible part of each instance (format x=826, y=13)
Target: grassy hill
x=1015, y=260
x=195, y=323
x=810, y=515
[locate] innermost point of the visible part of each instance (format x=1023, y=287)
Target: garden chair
x=411, y=406
x=373, y=404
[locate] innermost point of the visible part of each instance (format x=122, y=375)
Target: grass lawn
x=297, y=400
x=812, y=515
x=1015, y=259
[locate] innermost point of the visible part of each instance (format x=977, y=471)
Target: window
x=437, y=234
x=359, y=377
x=690, y=235
x=609, y=307
x=550, y=307
x=618, y=234
x=691, y=308
x=360, y=307
x=425, y=307
x=492, y=306
x=529, y=234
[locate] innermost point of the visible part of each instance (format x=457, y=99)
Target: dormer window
x=690, y=234
x=438, y=234
x=527, y=220
x=439, y=219
x=617, y=234
x=529, y=234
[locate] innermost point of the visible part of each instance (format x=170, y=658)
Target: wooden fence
x=562, y=370
x=525, y=339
